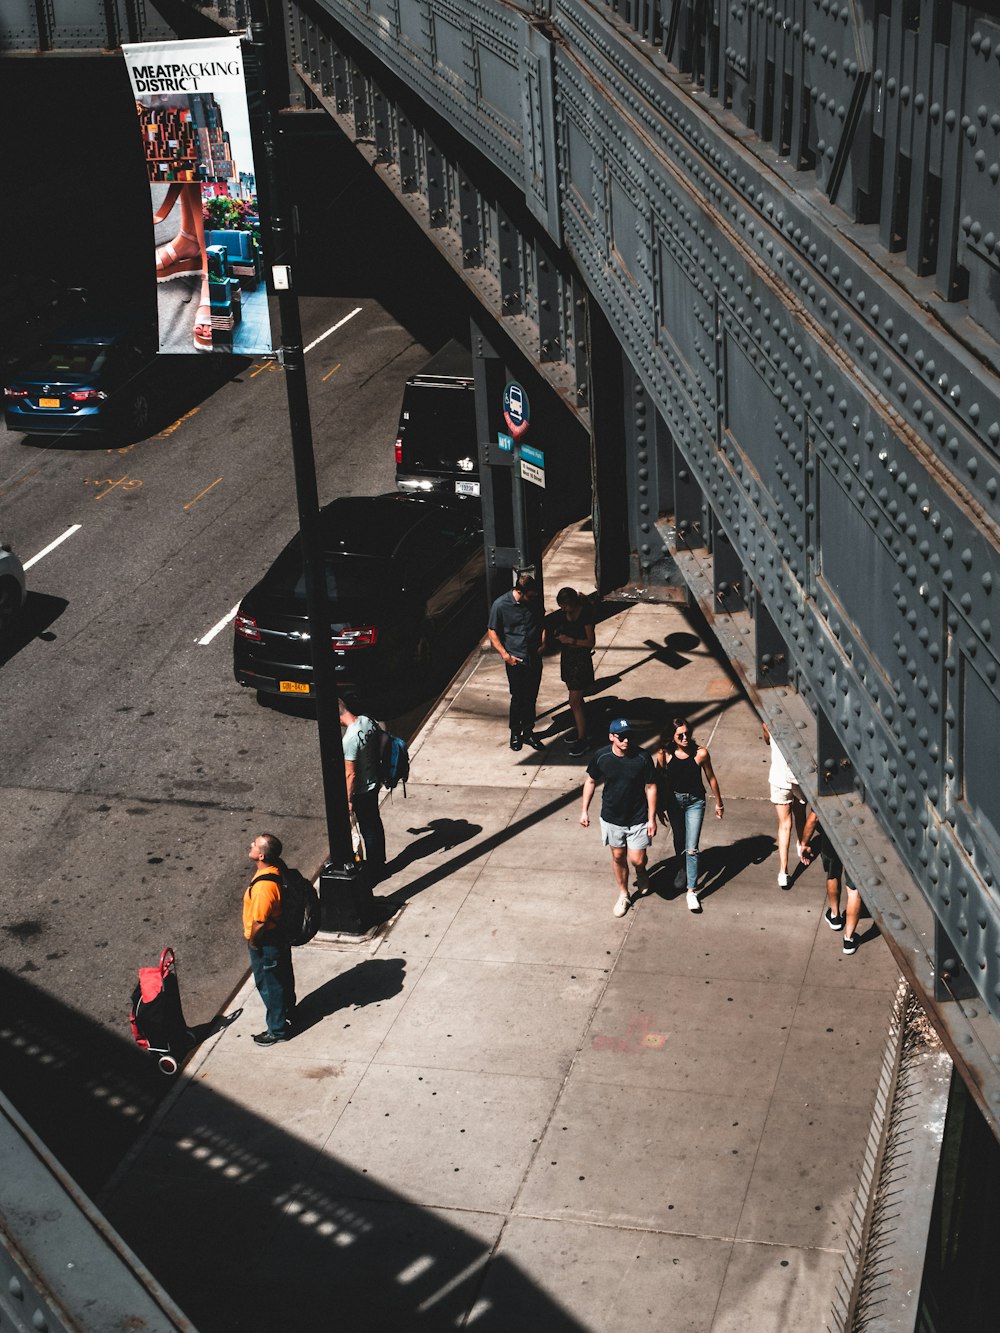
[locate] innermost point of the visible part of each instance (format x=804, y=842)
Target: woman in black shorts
x=570, y=627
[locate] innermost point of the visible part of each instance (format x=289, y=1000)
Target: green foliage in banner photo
x=223, y=213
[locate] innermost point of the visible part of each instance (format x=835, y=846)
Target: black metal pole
x=341, y=864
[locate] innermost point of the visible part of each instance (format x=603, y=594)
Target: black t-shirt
x=518, y=625
x=558, y=622
x=625, y=779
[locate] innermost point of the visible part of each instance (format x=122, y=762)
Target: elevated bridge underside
x=755, y=249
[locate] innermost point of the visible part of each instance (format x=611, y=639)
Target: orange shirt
x=262, y=901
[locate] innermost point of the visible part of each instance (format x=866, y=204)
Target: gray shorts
x=633, y=836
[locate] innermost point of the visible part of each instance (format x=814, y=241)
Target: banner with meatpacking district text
x=191, y=101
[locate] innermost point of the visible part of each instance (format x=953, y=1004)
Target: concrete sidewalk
x=514, y=1111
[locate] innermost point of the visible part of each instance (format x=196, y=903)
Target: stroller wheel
x=168, y=1065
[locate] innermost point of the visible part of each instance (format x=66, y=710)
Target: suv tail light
x=246, y=627
x=86, y=395
x=399, y=450
x=361, y=636
x=15, y=393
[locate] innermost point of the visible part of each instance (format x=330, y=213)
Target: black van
x=436, y=440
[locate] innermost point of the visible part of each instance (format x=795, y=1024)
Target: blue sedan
x=81, y=381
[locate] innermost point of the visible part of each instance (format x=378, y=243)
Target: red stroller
x=157, y=1018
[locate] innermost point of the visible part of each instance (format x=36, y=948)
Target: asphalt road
x=134, y=770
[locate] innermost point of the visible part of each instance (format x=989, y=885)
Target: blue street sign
x=534, y=456
x=516, y=408
x=505, y=443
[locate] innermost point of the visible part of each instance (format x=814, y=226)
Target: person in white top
x=790, y=805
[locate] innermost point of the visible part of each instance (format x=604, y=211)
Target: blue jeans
x=687, y=814
x=271, y=965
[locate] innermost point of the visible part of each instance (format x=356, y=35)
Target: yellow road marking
x=267, y=365
x=126, y=482
x=327, y=376
x=202, y=493
x=169, y=430
x=19, y=481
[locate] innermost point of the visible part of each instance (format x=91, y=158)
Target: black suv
x=436, y=448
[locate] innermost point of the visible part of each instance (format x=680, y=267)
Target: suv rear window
x=438, y=427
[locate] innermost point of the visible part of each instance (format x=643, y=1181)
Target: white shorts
x=787, y=795
x=633, y=836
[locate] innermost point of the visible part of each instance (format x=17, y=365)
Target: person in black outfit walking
x=515, y=630
x=573, y=630
x=682, y=767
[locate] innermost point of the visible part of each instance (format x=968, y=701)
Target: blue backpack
x=393, y=761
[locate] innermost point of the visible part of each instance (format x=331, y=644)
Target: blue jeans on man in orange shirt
x=271, y=965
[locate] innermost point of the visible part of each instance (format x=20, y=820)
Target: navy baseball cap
x=620, y=727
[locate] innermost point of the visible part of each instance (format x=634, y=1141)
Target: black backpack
x=299, y=905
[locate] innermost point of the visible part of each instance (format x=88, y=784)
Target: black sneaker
x=850, y=944
x=834, y=922
x=531, y=739
x=515, y=742
x=269, y=1038
x=579, y=748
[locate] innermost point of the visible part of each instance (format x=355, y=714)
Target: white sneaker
x=692, y=901
x=782, y=881
x=621, y=906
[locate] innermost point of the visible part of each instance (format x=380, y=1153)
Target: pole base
x=346, y=905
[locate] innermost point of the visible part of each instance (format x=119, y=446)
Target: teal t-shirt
x=361, y=747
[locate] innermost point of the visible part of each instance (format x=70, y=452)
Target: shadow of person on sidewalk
x=371, y=982
x=202, y=1031
x=716, y=866
x=441, y=836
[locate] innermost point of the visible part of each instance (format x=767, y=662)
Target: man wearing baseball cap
x=628, y=806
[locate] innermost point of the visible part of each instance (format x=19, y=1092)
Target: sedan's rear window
x=67, y=359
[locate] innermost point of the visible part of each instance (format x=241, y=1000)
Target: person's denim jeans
x=687, y=814
x=272, y=973
x=372, y=832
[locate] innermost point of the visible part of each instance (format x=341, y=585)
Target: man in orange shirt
x=270, y=951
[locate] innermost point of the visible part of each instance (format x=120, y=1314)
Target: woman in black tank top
x=683, y=766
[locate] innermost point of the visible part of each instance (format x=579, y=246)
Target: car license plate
x=50, y=402
x=466, y=487
x=293, y=687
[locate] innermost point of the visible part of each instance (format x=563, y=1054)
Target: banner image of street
x=191, y=104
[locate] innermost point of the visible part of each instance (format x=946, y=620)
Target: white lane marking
x=52, y=545
x=217, y=629
x=339, y=324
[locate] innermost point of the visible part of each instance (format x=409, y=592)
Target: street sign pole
x=517, y=415
x=345, y=896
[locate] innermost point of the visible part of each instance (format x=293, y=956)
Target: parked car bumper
x=54, y=421
x=464, y=486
